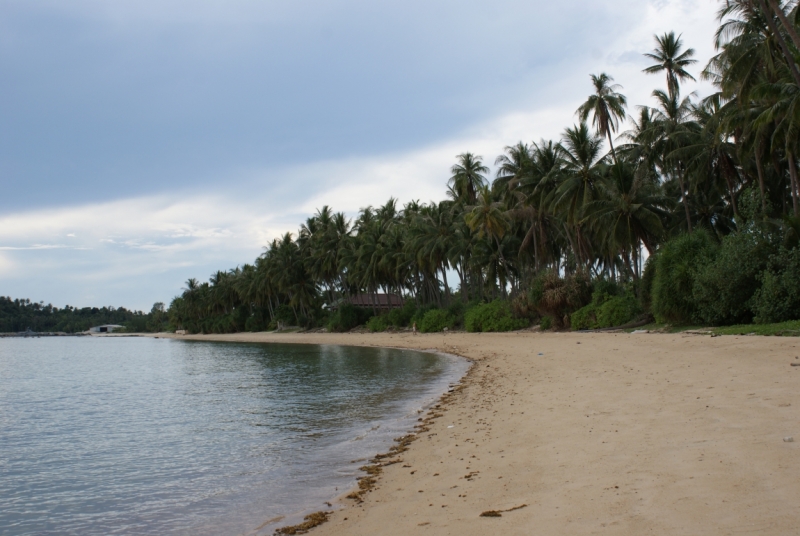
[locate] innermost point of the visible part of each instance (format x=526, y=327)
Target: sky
x=144, y=142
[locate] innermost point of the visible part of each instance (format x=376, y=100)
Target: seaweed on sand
x=310, y=521
x=498, y=513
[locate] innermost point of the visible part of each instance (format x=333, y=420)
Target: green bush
x=584, y=318
x=347, y=317
x=420, y=312
x=255, y=323
x=724, y=287
x=546, y=323
x=778, y=299
x=493, y=316
x=676, y=267
x=284, y=314
x=379, y=323
x=610, y=307
x=618, y=311
x=401, y=318
x=457, y=310
x=436, y=320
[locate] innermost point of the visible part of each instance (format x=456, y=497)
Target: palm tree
x=512, y=167
x=559, y=206
x=787, y=53
x=581, y=171
x=631, y=211
x=606, y=106
x=670, y=59
x=488, y=219
x=468, y=176
x=670, y=130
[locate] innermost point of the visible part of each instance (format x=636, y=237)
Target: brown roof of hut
x=377, y=301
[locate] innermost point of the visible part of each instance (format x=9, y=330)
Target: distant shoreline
x=628, y=433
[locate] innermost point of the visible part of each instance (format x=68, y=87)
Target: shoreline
x=373, y=464
x=605, y=432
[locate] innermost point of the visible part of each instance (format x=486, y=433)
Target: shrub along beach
x=686, y=211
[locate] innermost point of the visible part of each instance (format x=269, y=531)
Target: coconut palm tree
x=467, y=177
x=512, y=167
x=487, y=218
x=630, y=211
x=671, y=60
x=671, y=128
x=606, y=106
x=581, y=170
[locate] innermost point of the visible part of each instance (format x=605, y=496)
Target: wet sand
x=596, y=434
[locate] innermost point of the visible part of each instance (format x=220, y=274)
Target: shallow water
x=156, y=436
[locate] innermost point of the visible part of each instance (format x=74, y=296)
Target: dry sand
x=596, y=434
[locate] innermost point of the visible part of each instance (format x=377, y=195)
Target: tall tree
x=468, y=176
x=607, y=107
x=672, y=60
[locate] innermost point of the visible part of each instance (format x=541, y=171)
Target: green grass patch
x=665, y=328
x=785, y=329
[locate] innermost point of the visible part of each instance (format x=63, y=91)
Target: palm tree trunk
x=464, y=291
x=729, y=172
x=760, y=171
x=535, y=250
x=446, y=287
x=786, y=24
x=611, y=144
x=571, y=243
x=503, y=262
x=781, y=41
x=685, y=199
x=793, y=180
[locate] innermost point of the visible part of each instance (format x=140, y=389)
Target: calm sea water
x=156, y=436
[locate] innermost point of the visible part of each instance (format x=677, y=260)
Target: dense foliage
x=611, y=306
x=706, y=188
x=493, y=316
x=20, y=315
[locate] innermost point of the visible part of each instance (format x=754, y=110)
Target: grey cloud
x=105, y=100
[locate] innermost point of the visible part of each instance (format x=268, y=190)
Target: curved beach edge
x=561, y=433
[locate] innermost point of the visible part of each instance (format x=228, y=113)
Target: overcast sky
x=144, y=142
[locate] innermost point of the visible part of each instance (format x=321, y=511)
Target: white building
x=106, y=328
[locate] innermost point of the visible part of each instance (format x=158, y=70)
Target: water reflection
x=142, y=436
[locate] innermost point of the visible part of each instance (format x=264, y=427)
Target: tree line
x=17, y=315
x=641, y=208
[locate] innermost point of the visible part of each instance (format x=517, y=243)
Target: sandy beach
x=597, y=433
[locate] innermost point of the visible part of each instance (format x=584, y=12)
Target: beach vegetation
x=347, y=317
x=778, y=297
x=612, y=305
x=683, y=208
x=436, y=320
x=496, y=315
x=789, y=328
